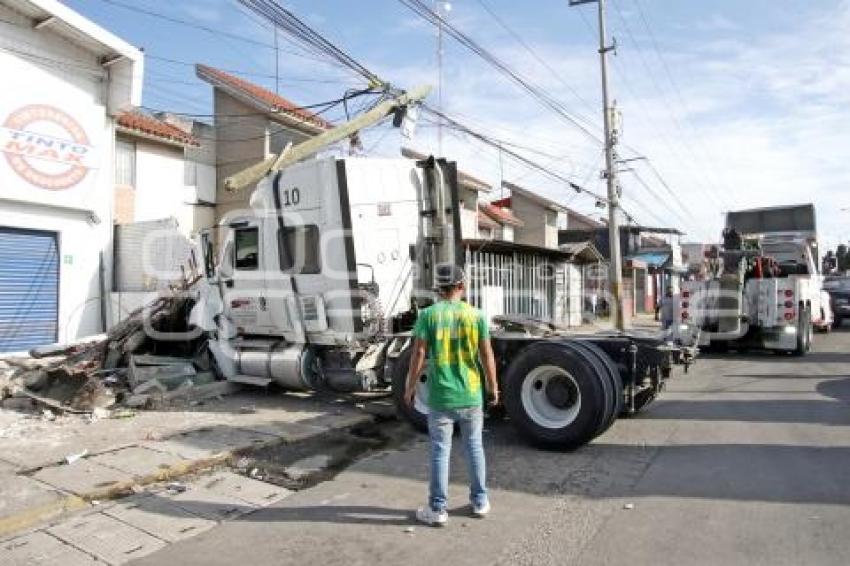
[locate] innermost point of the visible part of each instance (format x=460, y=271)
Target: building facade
x=70, y=80
x=251, y=123
x=164, y=171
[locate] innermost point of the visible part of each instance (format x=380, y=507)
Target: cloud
x=757, y=116
x=755, y=121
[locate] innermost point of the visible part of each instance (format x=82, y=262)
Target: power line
x=538, y=93
x=651, y=123
x=676, y=90
x=309, y=38
x=242, y=72
x=543, y=63
x=452, y=123
x=712, y=190
x=192, y=24
x=660, y=200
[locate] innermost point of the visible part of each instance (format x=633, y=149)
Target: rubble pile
x=130, y=365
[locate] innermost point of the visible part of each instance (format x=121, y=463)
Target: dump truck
x=316, y=286
x=765, y=290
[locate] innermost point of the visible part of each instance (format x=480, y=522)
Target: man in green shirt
x=454, y=338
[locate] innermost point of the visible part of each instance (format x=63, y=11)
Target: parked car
x=839, y=297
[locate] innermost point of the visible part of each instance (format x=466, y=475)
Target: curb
x=29, y=518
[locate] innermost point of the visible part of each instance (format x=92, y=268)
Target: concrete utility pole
x=293, y=154
x=615, y=273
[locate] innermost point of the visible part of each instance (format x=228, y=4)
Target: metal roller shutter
x=29, y=289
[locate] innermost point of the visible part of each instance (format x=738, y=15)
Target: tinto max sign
x=47, y=147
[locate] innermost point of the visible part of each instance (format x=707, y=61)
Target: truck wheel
x=803, y=333
x=609, y=370
x=412, y=414
x=555, y=397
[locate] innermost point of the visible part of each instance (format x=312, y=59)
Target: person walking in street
x=667, y=305
x=454, y=339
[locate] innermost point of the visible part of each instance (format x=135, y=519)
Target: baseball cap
x=449, y=275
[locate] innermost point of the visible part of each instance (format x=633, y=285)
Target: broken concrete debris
x=125, y=366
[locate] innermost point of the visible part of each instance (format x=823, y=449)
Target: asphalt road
x=746, y=460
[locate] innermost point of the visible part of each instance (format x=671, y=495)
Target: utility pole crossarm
x=294, y=154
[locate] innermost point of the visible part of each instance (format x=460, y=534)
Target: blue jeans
x=440, y=429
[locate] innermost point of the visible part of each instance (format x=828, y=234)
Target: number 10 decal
x=291, y=197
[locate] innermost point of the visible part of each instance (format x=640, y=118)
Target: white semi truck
x=766, y=289
x=318, y=284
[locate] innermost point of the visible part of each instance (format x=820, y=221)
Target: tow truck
x=766, y=289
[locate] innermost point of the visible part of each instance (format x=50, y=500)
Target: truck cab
x=331, y=257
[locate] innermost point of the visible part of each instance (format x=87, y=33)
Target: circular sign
x=46, y=146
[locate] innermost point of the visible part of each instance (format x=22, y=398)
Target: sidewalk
x=52, y=465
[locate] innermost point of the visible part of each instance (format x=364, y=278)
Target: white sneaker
x=430, y=517
x=481, y=510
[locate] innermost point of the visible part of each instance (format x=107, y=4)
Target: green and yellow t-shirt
x=452, y=331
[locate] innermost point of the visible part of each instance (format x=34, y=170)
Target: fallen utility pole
x=293, y=154
x=615, y=267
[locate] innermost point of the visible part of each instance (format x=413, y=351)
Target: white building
x=541, y=217
x=66, y=79
x=163, y=170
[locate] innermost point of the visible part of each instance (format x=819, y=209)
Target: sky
x=728, y=104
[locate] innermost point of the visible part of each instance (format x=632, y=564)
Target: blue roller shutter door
x=29, y=289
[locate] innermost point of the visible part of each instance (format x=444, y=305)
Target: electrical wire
x=540, y=60
x=652, y=123
x=309, y=38
x=208, y=29
x=537, y=92
x=241, y=72
x=676, y=90
x=454, y=124
x=709, y=187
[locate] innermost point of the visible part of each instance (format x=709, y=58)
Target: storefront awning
x=650, y=259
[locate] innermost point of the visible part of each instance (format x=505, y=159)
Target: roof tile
x=274, y=102
x=135, y=121
x=501, y=215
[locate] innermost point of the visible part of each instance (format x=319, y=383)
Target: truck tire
x=405, y=412
x=609, y=370
x=557, y=398
x=804, y=333
x=590, y=358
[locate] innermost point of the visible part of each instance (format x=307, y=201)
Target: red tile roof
x=485, y=221
x=266, y=99
x=501, y=215
x=135, y=122
x=502, y=202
